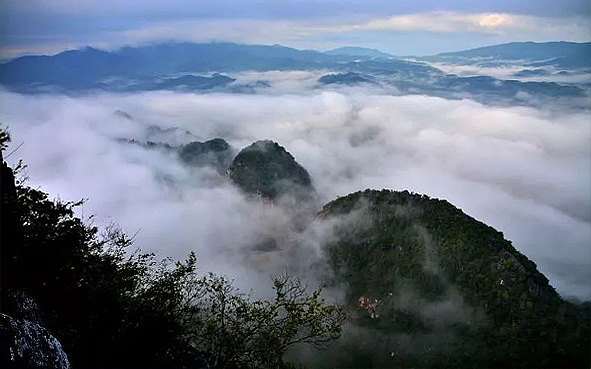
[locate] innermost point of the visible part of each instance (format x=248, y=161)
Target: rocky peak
x=267, y=169
x=216, y=153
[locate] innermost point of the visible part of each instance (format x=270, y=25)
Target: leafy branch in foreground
x=4, y=138
x=237, y=332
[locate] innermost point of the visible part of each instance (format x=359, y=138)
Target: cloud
x=442, y=21
x=285, y=31
x=289, y=9
x=62, y=27
x=488, y=23
x=524, y=171
x=507, y=70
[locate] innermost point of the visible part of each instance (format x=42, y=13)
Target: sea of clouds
x=525, y=171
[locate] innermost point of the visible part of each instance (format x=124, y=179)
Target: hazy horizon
x=154, y=43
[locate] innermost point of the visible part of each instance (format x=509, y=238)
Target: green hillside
x=433, y=287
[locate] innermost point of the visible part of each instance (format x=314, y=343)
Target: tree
x=235, y=332
x=4, y=138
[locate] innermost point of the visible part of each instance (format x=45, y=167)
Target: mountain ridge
x=359, y=51
x=196, y=68
x=560, y=54
x=541, y=46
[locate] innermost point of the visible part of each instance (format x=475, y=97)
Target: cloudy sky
x=399, y=27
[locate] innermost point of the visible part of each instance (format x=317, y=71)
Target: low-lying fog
x=511, y=70
x=524, y=171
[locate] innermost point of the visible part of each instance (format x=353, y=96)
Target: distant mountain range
x=194, y=67
x=91, y=68
x=359, y=52
x=566, y=55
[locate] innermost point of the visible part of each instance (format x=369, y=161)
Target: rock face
x=216, y=153
x=433, y=287
x=24, y=342
x=27, y=344
x=267, y=169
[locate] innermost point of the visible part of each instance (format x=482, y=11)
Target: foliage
x=239, y=333
x=95, y=297
x=216, y=153
x=4, y=138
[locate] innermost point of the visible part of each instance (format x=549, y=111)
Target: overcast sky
x=399, y=27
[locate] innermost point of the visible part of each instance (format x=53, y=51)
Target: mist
x=522, y=170
x=510, y=70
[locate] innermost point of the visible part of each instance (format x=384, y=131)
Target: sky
x=398, y=27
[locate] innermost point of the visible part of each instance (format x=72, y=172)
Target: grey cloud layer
x=521, y=170
x=402, y=27
x=287, y=9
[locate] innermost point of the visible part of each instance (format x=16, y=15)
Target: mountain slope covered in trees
x=438, y=288
x=267, y=169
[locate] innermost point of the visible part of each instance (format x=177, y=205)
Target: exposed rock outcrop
x=27, y=344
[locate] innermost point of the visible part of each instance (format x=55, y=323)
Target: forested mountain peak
x=266, y=168
x=412, y=264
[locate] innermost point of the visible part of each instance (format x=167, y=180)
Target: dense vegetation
x=113, y=308
x=417, y=266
